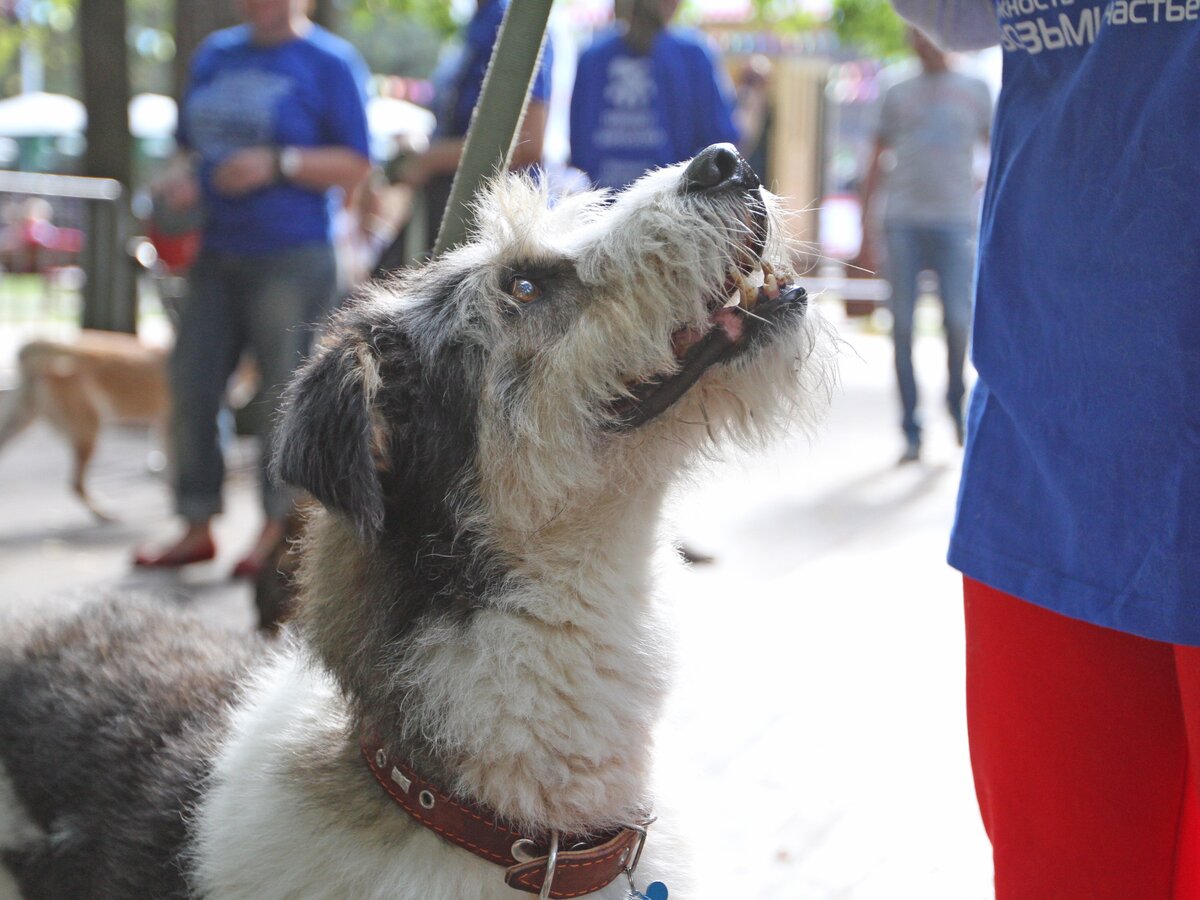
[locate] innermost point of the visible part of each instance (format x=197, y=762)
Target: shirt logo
x=630, y=83
x=235, y=110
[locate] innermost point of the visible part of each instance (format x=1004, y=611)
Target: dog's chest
x=293, y=812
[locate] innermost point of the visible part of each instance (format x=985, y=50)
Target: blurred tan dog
x=101, y=377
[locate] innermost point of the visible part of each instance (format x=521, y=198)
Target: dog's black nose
x=718, y=166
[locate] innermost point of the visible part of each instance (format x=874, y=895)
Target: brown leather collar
x=582, y=865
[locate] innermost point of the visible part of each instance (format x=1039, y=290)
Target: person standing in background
x=647, y=95
x=755, y=115
x=273, y=124
x=932, y=125
x=457, y=86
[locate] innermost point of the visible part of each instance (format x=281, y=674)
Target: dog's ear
x=325, y=442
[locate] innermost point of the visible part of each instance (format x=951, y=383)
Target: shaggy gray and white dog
x=491, y=438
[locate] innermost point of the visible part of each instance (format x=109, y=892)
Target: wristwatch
x=287, y=162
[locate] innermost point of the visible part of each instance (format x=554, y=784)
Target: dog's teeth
x=739, y=288
x=746, y=291
x=771, y=285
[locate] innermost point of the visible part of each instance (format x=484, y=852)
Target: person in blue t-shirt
x=457, y=86
x=647, y=95
x=1078, y=522
x=274, y=128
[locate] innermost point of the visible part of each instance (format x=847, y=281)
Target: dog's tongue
x=725, y=318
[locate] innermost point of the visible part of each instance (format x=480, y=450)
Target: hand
x=180, y=192
x=414, y=172
x=176, y=186
x=245, y=170
x=867, y=262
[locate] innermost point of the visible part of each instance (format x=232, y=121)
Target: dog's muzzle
x=719, y=167
x=739, y=315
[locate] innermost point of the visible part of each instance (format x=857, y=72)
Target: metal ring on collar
x=551, y=862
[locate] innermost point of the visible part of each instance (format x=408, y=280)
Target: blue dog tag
x=655, y=890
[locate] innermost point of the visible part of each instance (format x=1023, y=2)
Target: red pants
x=1084, y=743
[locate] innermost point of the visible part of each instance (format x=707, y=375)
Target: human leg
x=206, y=350
x=291, y=294
x=1187, y=858
x=1078, y=750
x=953, y=259
x=903, y=266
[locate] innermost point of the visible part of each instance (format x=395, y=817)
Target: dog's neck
x=536, y=698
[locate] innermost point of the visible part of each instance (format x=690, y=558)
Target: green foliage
x=783, y=16
x=871, y=26
x=49, y=21
x=398, y=37
x=10, y=44
x=433, y=15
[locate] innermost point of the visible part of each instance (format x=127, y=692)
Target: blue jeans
x=267, y=303
x=949, y=251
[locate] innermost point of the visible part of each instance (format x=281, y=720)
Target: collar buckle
x=631, y=867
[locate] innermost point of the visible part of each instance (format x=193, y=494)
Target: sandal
x=174, y=557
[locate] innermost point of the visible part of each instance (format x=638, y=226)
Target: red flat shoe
x=248, y=568
x=173, y=558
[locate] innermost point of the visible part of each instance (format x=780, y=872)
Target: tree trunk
x=109, y=300
x=194, y=21
x=105, y=66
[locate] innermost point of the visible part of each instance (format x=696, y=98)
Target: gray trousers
x=267, y=303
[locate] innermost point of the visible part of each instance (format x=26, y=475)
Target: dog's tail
x=19, y=409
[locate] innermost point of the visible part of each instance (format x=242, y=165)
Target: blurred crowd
x=275, y=173
x=278, y=205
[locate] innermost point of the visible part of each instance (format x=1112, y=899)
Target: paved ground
x=817, y=730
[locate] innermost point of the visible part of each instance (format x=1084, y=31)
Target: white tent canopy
x=37, y=114
x=152, y=116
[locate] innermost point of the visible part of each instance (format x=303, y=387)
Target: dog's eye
x=523, y=289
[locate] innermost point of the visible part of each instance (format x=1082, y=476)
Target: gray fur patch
x=107, y=722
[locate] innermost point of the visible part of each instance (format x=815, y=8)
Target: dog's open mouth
x=739, y=314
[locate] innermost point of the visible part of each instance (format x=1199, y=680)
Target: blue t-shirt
x=306, y=92
x=459, y=83
x=1081, y=481
x=631, y=113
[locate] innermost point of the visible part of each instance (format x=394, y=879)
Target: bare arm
x=867, y=257
x=528, y=150
x=318, y=169
x=324, y=167
x=443, y=155
x=177, y=184
x=871, y=182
